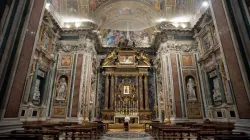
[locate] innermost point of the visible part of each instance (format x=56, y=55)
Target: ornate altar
x=126, y=99
x=126, y=85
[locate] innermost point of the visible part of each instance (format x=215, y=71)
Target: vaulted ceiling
x=125, y=15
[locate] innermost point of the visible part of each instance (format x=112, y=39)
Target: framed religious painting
x=126, y=90
x=127, y=59
x=206, y=43
x=187, y=60
x=66, y=61
x=46, y=41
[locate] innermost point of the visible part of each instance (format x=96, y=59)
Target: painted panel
x=187, y=60
x=113, y=37
x=66, y=61
x=192, y=95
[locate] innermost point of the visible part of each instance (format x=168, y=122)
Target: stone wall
x=178, y=84
x=218, y=98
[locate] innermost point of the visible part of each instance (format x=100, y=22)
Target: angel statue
x=111, y=57
x=143, y=57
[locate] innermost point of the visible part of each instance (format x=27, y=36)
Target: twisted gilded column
x=146, y=92
x=141, y=92
x=112, y=92
x=106, y=92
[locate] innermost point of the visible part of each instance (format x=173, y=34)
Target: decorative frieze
x=86, y=46
x=179, y=47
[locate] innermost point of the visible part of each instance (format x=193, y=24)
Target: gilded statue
x=110, y=57
x=143, y=57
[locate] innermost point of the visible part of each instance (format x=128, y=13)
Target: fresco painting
x=95, y=4
x=126, y=11
x=112, y=37
x=72, y=7
x=157, y=4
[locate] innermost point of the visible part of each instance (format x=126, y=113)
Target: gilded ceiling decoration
x=124, y=15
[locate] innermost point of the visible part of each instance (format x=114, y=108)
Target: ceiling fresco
x=125, y=15
x=111, y=38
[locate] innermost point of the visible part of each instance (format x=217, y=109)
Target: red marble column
x=15, y=97
x=239, y=90
x=75, y=100
x=177, y=97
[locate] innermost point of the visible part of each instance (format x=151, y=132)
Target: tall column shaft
x=146, y=92
x=106, y=93
x=141, y=92
x=112, y=92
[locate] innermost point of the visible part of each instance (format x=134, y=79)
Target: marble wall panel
x=12, y=109
x=176, y=86
x=77, y=86
x=240, y=93
x=66, y=61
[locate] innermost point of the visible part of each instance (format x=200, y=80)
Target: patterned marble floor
x=126, y=136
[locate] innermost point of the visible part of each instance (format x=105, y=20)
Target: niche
x=191, y=88
x=62, y=88
x=39, y=88
x=215, y=88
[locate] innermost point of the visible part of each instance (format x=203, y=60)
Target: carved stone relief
x=86, y=46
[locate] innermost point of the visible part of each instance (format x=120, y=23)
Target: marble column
x=106, y=92
x=146, y=92
x=141, y=92
x=112, y=92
